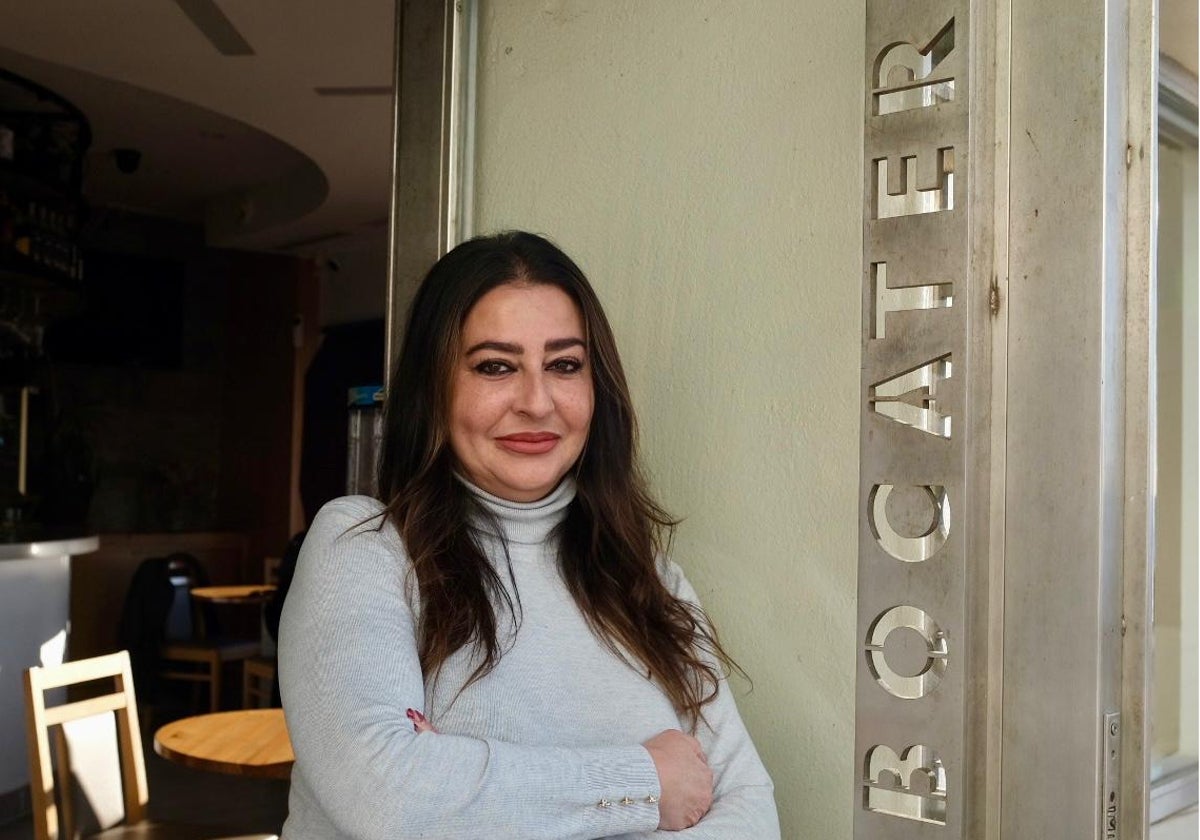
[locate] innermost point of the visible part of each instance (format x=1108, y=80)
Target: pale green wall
x=702, y=162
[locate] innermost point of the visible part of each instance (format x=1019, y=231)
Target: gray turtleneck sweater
x=547, y=745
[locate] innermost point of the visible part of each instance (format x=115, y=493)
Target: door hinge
x=1110, y=804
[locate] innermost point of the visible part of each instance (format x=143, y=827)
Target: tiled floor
x=181, y=794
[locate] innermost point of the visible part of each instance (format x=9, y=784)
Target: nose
x=533, y=396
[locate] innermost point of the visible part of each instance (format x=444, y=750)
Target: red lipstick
x=529, y=443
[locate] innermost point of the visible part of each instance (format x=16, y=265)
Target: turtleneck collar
x=525, y=523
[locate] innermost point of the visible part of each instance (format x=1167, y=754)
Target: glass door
x=1173, y=757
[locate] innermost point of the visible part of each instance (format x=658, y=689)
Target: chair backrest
x=151, y=615
x=285, y=573
x=186, y=621
x=144, y=613
x=72, y=724
x=180, y=623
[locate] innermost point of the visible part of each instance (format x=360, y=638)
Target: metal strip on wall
x=1076, y=522
x=925, y=406
x=1140, y=446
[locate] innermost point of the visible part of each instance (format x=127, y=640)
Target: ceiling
x=267, y=120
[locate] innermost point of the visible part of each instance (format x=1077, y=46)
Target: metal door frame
x=433, y=138
x=1036, y=725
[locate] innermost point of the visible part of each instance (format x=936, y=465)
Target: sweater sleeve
x=349, y=670
x=744, y=796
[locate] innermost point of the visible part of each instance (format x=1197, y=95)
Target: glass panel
x=1175, y=585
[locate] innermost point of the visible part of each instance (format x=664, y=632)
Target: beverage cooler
x=364, y=438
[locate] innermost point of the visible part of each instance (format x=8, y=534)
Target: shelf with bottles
x=43, y=137
x=28, y=303
x=39, y=236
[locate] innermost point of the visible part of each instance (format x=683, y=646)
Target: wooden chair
x=258, y=682
x=88, y=749
x=189, y=639
x=258, y=672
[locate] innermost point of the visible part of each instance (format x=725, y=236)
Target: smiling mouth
x=529, y=443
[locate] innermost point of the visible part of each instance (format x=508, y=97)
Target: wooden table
x=254, y=593
x=251, y=742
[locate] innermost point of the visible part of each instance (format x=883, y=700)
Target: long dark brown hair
x=613, y=533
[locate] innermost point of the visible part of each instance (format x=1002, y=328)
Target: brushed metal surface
x=920, y=423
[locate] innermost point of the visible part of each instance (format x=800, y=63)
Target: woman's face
x=521, y=392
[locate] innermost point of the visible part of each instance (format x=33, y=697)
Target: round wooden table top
x=254, y=593
x=251, y=742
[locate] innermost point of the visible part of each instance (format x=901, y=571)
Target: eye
x=567, y=365
x=493, y=367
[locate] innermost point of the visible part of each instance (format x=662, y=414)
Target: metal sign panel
x=914, y=621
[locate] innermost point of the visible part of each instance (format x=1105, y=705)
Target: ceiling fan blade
x=354, y=90
x=212, y=23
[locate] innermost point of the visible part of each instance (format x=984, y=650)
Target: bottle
x=7, y=219
x=8, y=143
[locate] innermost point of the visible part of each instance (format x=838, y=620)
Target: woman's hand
x=685, y=779
x=419, y=721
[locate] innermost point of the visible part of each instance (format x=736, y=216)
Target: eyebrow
x=552, y=346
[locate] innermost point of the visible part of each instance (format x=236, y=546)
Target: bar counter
x=63, y=547
x=34, y=602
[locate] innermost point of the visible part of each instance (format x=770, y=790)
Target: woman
x=496, y=650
